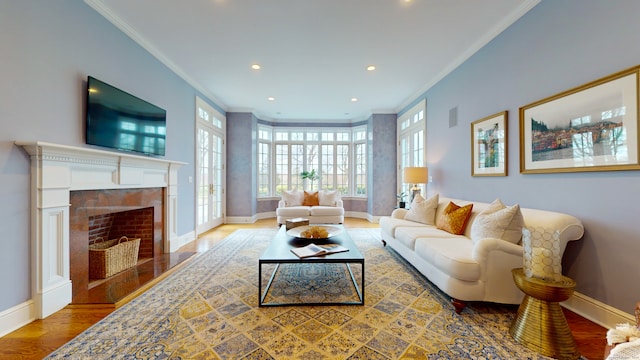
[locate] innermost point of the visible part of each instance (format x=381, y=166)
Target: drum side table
x=540, y=324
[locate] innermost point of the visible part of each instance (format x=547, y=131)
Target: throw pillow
x=292, y=197
x=454, y=218
x=513, y=232
x=493, y=221
x=310, y=199
x=328, y=197
x=423, y=211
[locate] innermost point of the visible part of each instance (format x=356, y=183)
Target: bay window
x=284, y=153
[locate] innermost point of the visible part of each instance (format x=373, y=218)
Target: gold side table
x=540, y=324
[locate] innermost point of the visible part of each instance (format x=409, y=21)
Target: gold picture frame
x=593, y=127
x=489, y=145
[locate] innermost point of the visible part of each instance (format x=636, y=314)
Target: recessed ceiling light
x=271, y=98
x=371, y=67
x=354, y=99
x=256, y=66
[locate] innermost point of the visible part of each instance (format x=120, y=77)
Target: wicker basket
x=112, y=256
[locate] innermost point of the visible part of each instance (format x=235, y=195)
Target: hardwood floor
x=41, y=337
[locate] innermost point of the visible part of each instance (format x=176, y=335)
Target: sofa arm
x=483, y=248
x=399, y=213
x=282, y=204
x=339, y=203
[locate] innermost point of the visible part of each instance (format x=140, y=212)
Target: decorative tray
x=314, y=232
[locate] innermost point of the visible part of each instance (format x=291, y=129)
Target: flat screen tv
x=119, y=120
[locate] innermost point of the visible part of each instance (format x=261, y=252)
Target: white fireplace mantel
x=56, y=170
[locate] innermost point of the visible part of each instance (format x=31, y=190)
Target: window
x=411, y=141
x=283, y=153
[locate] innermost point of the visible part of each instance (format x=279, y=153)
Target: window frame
x=314, y=142
x=411, y=141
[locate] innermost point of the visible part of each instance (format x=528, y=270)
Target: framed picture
x=593, y=127
x=489, y=146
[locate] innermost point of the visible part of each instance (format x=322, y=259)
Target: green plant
x=310, y=175
x=401, y=196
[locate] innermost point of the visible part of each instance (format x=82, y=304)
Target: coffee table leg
x=264, y=295
x=359, y=290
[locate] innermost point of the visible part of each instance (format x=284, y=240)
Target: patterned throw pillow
x=310, y=199
x=292, y=197
x=423, y=211
x=454, y=218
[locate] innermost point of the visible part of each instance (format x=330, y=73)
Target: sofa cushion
x=454, y=218
x=293, y=211
x=326, y=210
x=310, y=199
x=292, y=197
x=328, y=197
x=408, y=235
x=423, y=210
x=389, y=224
x=451, y=254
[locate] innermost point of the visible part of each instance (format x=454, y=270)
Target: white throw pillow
x=513, y=232
x=328, y=197
x=292, y=197
x=498, y=221
x=423, y=211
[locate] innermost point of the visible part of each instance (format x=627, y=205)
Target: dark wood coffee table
x=279, y=252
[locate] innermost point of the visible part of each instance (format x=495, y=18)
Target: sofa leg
x=384, y=243
x=459, y=305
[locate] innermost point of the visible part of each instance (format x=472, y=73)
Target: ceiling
x=313, y=53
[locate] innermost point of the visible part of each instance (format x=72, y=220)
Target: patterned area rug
x=312, y=283
x=208, y=310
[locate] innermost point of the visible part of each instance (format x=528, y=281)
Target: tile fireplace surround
x=56, y=171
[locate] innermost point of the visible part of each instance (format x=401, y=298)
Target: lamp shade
x=416, y=175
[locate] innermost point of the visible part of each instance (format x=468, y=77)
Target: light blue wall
x=558, y=45
x=47, y=49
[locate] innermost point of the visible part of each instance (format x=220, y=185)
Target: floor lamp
x=415, y=176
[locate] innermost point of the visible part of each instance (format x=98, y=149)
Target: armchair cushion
x=328, y=197
x=310, y=199
x=292, y=197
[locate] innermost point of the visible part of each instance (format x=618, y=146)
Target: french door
x=210, y=167
x=411, y=141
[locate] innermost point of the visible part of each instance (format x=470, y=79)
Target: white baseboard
x=181, y=241
x=16, y=317
x=596, y=311
x=241, y=219
x=266, y=215
x=356, y=214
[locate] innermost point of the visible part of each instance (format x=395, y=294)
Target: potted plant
x=311, y=175
x=401, y=203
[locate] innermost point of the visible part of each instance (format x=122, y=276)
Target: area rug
x=208, y=310
x=311, y=283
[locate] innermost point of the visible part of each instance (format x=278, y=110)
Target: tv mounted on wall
x=119, y=120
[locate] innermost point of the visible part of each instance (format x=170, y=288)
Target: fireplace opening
x=111, y=214
x=122, y=226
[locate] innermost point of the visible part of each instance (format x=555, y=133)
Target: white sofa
x=329, y=208
x=466, y=267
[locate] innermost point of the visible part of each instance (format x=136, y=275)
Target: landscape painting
x=591, y=128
